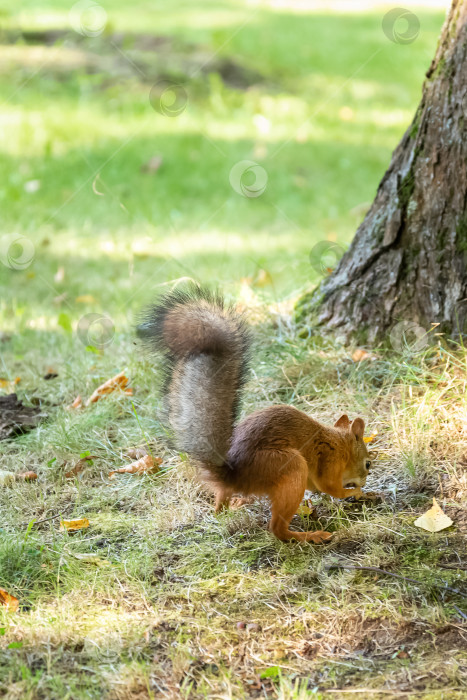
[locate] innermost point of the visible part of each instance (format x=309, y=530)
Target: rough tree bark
x=407, y=261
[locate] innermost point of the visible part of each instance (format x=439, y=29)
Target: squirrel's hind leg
x=222, y=498
x=287, y=496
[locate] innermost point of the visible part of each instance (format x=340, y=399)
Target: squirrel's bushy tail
x=206, y=349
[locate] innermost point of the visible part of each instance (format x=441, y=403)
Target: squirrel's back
x=206, y=347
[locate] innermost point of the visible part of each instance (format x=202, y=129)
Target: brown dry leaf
x=434, y=519
x=77, y=403
x=360, y=355
x=73, y=525
x=8, y=600
x=119, y=382
x=26, y=476
x=85, y=299
x=146, y=465
x=79, y=466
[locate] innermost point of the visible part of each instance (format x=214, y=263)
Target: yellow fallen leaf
x=119, y=382
x=146, y=465
x=85, y=299
x=306, y=510
x=434, y=519
x=72, y=525
x=9, y=384
x=8, y=600
x=370, y=438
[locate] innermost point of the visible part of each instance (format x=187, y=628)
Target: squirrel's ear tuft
x=358, y=428
x=343, y=422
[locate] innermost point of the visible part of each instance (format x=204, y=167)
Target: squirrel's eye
x=367, y=464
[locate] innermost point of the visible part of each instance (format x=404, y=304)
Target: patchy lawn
x=113, y=202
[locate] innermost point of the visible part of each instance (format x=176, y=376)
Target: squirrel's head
x=360, y=459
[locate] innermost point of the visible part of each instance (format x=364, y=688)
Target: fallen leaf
x=262, y=279
x=113, y=384
x=370, y=438
x=434, y=519
x=146, y=465
x=92, y=559
x=73, y=525
x=9, y=384
x=85, y=299
x=77, y=403
x=8, y=600
x=26, y=476
x=79, y=466
x=360, y=355
x=306, y=510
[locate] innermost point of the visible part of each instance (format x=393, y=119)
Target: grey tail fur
x=205, y=346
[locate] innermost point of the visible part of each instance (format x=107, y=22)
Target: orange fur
x=280, y=452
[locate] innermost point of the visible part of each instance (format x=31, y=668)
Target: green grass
x=319, y=100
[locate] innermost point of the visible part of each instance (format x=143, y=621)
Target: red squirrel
x=276, y=451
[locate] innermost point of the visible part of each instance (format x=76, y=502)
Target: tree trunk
x=407, y=263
